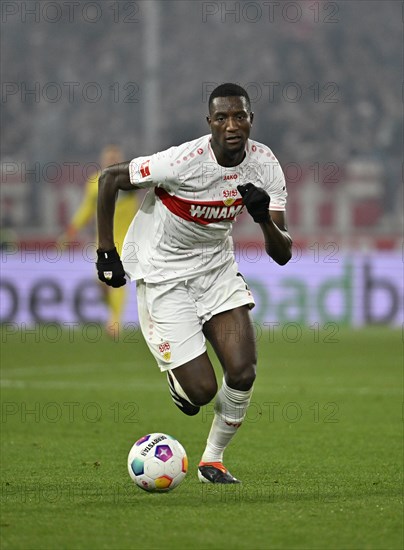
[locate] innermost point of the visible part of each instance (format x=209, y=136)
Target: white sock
x=230, y=410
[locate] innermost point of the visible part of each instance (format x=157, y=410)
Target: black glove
x=110, y=268
x=256, y=200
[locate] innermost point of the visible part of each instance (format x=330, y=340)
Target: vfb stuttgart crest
x=229, y=196
x=165, y=350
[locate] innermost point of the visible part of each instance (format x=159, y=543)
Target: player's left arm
x=278, y=243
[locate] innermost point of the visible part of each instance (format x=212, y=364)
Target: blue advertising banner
x=352, y=289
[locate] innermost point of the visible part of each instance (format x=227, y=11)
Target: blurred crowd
x=323, y=78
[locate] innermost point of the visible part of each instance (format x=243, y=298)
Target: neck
x=226, y=158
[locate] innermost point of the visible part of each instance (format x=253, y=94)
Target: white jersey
x=183, y=227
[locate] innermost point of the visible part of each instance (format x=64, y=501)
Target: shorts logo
x=165, y=350
x=145, y=169
x=229, y=196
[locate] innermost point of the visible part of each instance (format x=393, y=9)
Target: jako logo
x=230, y=177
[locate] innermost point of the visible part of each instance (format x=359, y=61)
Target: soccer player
x=178, y=249
x=126, y=208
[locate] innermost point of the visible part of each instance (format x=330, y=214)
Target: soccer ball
x=157, y=463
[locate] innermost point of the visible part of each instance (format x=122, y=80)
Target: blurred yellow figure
x=125, y=209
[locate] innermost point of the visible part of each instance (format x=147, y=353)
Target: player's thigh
x=170, y=324
x=231, y=334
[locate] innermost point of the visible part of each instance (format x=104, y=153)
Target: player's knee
x=203, y=392
x=241, y=377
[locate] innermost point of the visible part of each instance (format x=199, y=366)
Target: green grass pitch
x=320, y=453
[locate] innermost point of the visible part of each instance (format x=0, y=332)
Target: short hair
x=229, y=90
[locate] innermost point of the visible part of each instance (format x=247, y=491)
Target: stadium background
x=323, y=79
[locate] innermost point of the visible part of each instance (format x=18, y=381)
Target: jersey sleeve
x=158, y=170
x=276, y=187
x=278, y=191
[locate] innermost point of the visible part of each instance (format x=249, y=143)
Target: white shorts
x=171, y=315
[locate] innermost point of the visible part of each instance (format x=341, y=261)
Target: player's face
x=230, y=122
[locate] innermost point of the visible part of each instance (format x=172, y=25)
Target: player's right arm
x=111, y=180
x=109, y=265
x=141, y=172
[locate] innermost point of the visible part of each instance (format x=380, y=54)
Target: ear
x=251, y=118
x=208, y=119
